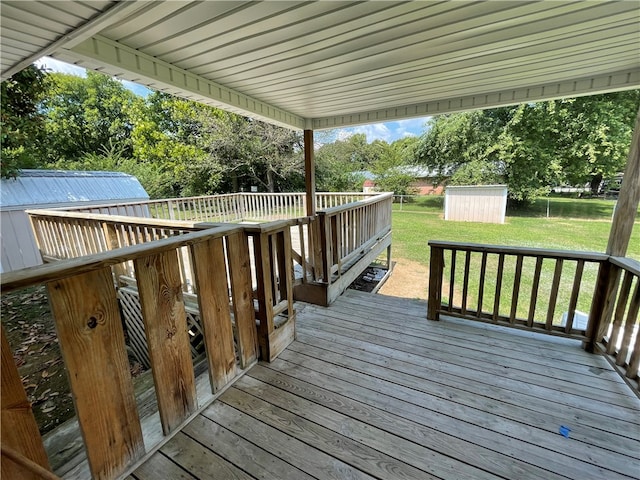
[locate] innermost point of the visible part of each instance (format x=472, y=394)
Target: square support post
x=309, y=173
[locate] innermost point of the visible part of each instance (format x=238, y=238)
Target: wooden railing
x=347, y=238
x=617, y=328
x=83, y=297
x=523, y=287
x=232, y=207
x=542, y=290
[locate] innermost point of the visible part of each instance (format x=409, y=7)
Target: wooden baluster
x=621, y=307
x=483, y=271
x=629, y=324
x=213, y=300
x=285, y=268
x=604, y=292
x=634, y=361
x=335, y=242
x=436, y=270
x=242, y=294
x=264, y=292
x=19, y=427
x=534, y=292
x=303, y=253
x=553, y=296
x=452, y=279
x=465, y=282
x=165, y=324
x=496, y=299
x=93, y=348
x=110, y=233
x=575, y=292
x=516, y=290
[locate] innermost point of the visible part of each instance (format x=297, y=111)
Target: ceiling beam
x=121, y=61
x=625, y=80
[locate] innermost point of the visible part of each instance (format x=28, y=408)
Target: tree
x=535, y=146
x=21, y=120
x=391, y=168
x=85, y=115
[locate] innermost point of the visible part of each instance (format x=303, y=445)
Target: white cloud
x=62, y=67
x=388, y=131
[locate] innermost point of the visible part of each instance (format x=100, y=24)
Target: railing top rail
x=141, y=202
x=336, y=194
x=75, y=266
x=347, y=206
x=526, y=251
x=127, y=220
x=276, y=225
x=628, y=264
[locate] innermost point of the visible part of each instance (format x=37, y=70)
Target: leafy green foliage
x=21, y=120
x=533, y=147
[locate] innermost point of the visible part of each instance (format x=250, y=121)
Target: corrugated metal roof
x=52, y=188
x=326, y=64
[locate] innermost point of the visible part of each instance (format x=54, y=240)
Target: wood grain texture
x=165, y=323
x=19, y=428
x=159, y=466
x=628, y=199
x=213, y=298
x=242, y=297
x=309, y=173
x=200, y=461
x=436, y=270
x=264, y=291
x=93, y=348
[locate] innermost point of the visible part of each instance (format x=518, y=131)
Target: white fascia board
x=125, y=62
x=625, y=80
x=94, y=25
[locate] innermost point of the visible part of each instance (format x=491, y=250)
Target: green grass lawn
x=574, y=224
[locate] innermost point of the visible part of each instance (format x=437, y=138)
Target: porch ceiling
x=328, y=64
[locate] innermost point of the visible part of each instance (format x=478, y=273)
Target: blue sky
x=388, y=131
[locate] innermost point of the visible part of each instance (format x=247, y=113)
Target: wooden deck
x=371, y=389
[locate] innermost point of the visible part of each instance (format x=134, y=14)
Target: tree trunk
x=270, y=181
x=596, y=180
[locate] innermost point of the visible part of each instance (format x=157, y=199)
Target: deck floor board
x=371, y=389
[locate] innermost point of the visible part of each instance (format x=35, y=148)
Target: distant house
x=53, y=189
x=425, y=181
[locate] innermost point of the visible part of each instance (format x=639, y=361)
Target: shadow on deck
x=371, y=389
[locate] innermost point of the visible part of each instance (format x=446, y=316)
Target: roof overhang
x=316, y=65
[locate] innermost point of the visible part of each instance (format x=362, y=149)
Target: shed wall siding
x=18, y=245
x=476, y=204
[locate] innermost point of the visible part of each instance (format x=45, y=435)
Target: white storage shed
x=476, y=203
x=53, y=189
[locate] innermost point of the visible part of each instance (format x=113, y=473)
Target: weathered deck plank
x=371, y=389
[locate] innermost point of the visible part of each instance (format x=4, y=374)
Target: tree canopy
x=535, y=146
x=179, y=147
x=21, y=120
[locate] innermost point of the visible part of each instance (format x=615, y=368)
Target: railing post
x=436, y=270
x=19, y=427
x=326, y=253
x=604, y=298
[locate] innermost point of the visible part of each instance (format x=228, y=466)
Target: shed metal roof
x=57, y=188
x=328, y=64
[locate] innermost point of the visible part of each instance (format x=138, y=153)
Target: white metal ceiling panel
x=326, y=64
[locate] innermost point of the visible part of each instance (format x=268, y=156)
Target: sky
x=388, y=131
